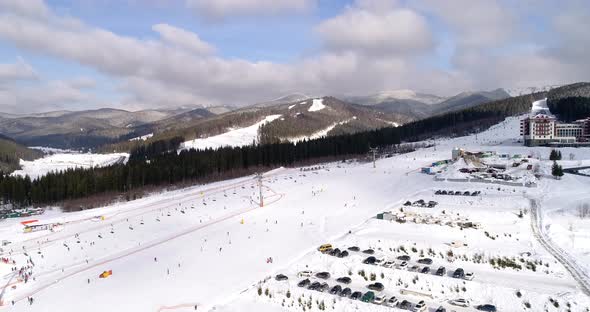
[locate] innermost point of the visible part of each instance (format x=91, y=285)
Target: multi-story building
x=542, y=128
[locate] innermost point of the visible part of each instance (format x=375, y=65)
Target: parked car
x=425, y=270
x=303, y=283
x=403, y=265
x=378, y=300
x=441, y=309
x=406, y=305
x=459, y=273
x=369, y=251
x=281, y=277
x=414, y=268
x=486, y=307
x=370, y=260
x=334, y=252
x=466, y=193
x=336, y=290
x=304, y=274
x=441, y=271
x=379, y=260
x=353, y=248
x=459, y=302
x=469, y=276
x=324, y=287
x=403, y=258
x=420, y=307
x=368, y=296
x=344, y=280
x=323, y=275
x=408, y=203
x=356, y=295
x=345, y=292
x=389, y=264
x=376, y=286
x=343, y=254
x=443, y=192
x=438, y=192
x=425, y=261
x=391, y=302
x=314, y=286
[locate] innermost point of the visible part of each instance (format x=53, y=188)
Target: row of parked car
x=368, y=296
x=421, y=203
x=466, y=193
x=403, y=264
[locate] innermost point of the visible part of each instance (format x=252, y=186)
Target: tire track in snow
x=577, y=272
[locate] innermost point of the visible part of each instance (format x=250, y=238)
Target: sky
x=144, y=54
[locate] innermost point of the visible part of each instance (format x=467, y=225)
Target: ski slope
x=233, y=137
x=63, y=161
x=208, y=245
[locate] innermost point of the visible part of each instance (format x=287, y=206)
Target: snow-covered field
x=209, y=246
x=233, y=137
x=62, y=161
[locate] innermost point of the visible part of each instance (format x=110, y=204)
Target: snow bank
x=234, y=137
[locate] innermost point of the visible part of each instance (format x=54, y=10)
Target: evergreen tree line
x=158, y=164
x=152, y=149
x=570, y=108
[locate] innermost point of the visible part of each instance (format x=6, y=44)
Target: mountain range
x=344, y=114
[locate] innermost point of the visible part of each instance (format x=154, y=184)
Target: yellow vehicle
x=325, y=247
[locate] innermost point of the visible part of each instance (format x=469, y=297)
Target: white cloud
x=377, y=28
x=183, y=39
x=370, y=46
x=16, y=71
x=46, y=96
x=482, y=23
x=224, y=8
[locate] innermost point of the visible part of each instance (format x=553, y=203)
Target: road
x=578, y=273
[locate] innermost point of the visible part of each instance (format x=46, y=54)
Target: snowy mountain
x=516, y=91
x=395, y=95
x=289, y=98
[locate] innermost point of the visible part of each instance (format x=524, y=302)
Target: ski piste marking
x=158, y=241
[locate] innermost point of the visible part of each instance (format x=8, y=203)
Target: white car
x=305, y=274
x=419, y=307
x=469, y=276
x=378, y=300
x=379, y=260
x=391, y=302
x=459, y=302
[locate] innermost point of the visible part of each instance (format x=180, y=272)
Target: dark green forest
x=570, y=108
x=159, y=164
